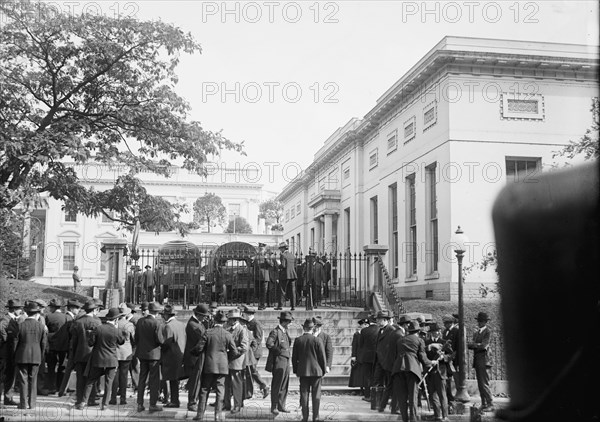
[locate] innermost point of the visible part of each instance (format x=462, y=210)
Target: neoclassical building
x=469, y=117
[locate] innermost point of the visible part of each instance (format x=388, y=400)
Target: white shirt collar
x=169, y=320
x=281, y=328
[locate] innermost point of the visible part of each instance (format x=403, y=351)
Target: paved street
x=343, y=407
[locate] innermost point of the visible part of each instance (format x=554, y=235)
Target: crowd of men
x=401, y=360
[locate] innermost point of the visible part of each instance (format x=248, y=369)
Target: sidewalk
x=345, y=407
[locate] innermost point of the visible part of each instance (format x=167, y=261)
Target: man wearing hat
x=124, y=355
x=367, y=349
x=482, y=360
x=76, y=279
x=192, y=361
x=30, y=347
x=172, y=356
x=406, y=370
x=212, y=311
x=256, y=337
x=278, y=363
x=356, y=365
x=382, y=376
x=234, y=382
x=218, y=348
x=438, y=349
x=103, y=359
x=325, y=338
x=450, y=336
x=287, y=277
x=73, y=308
x=261, y=266
x=148, y=284
x=148, y=339
x=81, y=331
x=309, y=364
x=9, y=328
x=58, y=345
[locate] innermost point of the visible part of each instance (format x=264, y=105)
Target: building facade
x=471, y=116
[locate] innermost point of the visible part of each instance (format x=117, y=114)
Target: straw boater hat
x=125, y=310
x=283, y=245
x=234, y=314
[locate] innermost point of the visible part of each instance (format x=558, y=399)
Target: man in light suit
x=309, y=363
x=9, y=328
x=30, y=347
x=287, y=277
x=234, y=382
x=148, y=340
x=482, y=360
x=193, y=363
x=406, y=370
x=172, y=356
x=124, y=355
x=279, y=345
x=256, y=330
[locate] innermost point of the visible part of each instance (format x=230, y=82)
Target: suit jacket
x=261, y=266
x=328, y=345
x=383, y=346
x=279, y=345
x=81, y=329
x=318, y=273
x=58, y=337
x=367, y=344
x=288, y=267
x=105, y=341
x=480, y=347
x=148, y=338
x=327, y=271
x=242, y=344
x=125, y=350
x=432, y=354
x=172, y=350
x=410, y=354
x=308, y=356
x=31, y=342
x=355, y=340
x=218, y=347
x=194, y=331
x=9, y=329
x=256, y=329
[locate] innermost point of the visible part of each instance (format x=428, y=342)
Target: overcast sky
x=283, y=76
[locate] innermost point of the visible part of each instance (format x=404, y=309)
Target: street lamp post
x=462, y=395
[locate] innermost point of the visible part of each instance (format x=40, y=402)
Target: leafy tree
x=209, y=209
x=93, y=89
x=238, y=225
x=589, y=144
x=271, y=210
x=12, y=261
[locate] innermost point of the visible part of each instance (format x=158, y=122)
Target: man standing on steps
x=382, y=377
x=309, y=363
x=58, y=345
x=193, y=361
x=482, y=360
x=256, y=330
x=326, y=339
x=278, y=362
x=148, y=340
x=287, y=277
x=261, y=266
x=367, y=349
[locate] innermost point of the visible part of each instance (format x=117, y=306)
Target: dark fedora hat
x=99, y=303
x=113, y=313
x=286, y=316
x=261, y=245
x=482, y=316
x=309, y=323
x=168, y=310
x=213, y=305
x=155, y=307
x=32, y=306
x=89, y=305
x=413, y=327
x=131, y=306
x=434, y=327
x=455, y=316
x=220, y=318
x=404, y=319
x=249, y=310
x=74, y=303
x=145, y=306
x=14, y=304
x=385, y=314
x=56, y=303
x=201, y=309
x=147, y=266
x=318, y=320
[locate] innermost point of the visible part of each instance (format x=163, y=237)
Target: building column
x=318, y=235
x=328, y=247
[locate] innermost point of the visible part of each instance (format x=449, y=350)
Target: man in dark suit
x=256, y=330
x=30, y=347
x=218, y=348
x=148, y=340
x=367, y=349
x=406, y=369
x=287, y=277
x=9, y=328
x=172, y=356
x=318, y=279
x=327, y=273
x=482, y=360
x=309, y=363
x=450, y=336
x=148, y=284
x=326, y=339
x=193, y=363
x=58, y=345
x=438, y=349
x=103, y=359
x=81, y=330
x=73, y=309
x=261, y=266
x=279, y=345
x=382, y=376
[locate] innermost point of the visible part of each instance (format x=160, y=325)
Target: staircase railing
x=390, y=292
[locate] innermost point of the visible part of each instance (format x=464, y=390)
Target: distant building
x=57, y=241
x=471, y=116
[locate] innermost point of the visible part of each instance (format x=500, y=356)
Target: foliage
x=487, y=262
x=240, y=224
x=84, y=89
x=271, y=210
x=12, y=262
x=277, y=227
x=589, y=144
x=209, y=209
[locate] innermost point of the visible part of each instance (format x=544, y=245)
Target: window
x=312, y=238
x=346, y=173
x=412, y=226
x=287, y=216
x=374, y=222
x=322, y=184
x=298, y=243
x=292, y=212
x=347, y=218
x=103, y=262
x=429, y=115
x=520, y=169
x=332, y=179
x=392, y=142
x=69, y=249
x=373, y=159
x=298, y=207
x=394, y=228
x=529, y=107
x=432, y=232
x=410, y=129
x=70, y=217
x=292, y=244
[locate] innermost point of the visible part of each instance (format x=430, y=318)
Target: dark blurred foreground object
x=547, y=243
